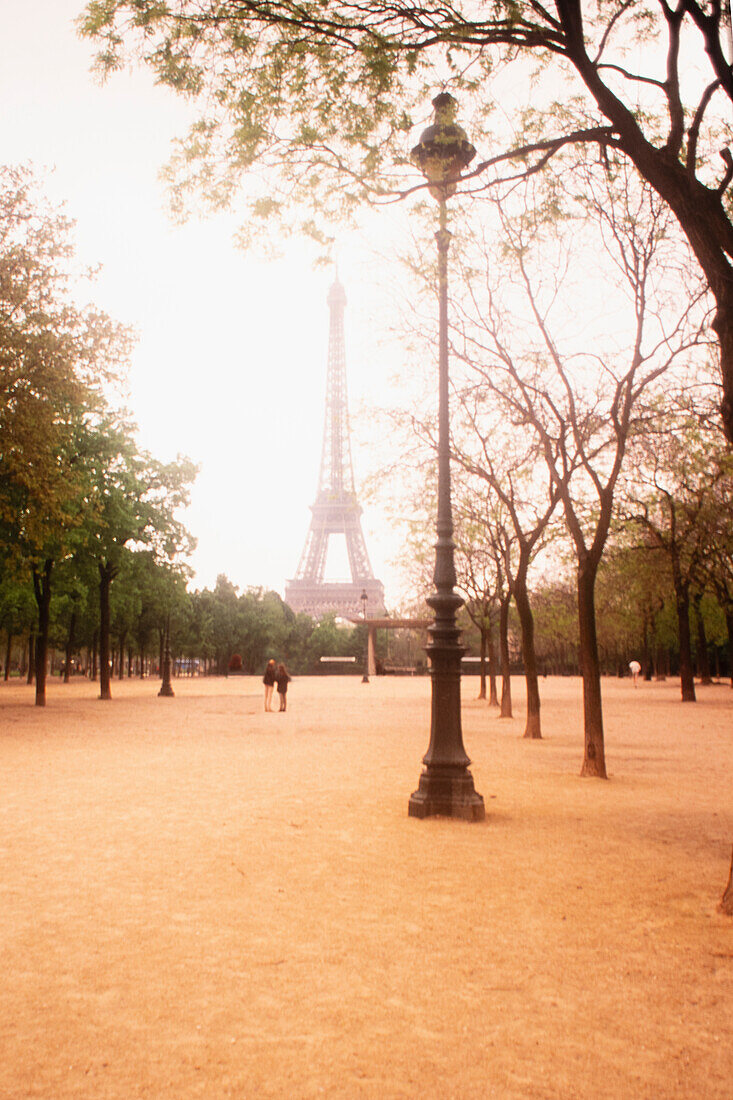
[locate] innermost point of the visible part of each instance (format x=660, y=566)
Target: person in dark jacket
x=269, y=681
x=282, y=685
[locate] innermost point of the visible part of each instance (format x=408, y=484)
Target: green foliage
x=54, y=360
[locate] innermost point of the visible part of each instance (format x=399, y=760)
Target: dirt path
x=198, y=899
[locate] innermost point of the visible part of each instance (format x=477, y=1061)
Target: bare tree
x=484, y=549
x=579, y=405
x=476, y=579
x=528, y=508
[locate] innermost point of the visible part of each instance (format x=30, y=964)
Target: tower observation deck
x=336, y=510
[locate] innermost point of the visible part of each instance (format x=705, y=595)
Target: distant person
x=634, y=669
x=269, y=681
x=282, y=685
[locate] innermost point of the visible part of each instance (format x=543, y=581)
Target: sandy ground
x=198, y=899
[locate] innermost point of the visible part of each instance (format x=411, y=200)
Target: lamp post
x=364, y=598
x=446, y=784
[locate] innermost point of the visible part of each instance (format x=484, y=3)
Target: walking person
x=634, y=669
x=282, y=685
x=269, y=681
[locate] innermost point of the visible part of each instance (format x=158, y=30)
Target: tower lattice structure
x=336, y=510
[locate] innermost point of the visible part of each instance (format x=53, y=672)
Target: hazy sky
x=231, y=361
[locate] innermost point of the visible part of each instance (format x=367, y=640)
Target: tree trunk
x=506, y=679
x=482, y=664
x=106, y=574
x=726, y=902
x=69, y=647
x=521, y=598
x=31, y=656
x=594, y=759
x=659, y=673
x=121, y=656
x=703, y=659
x=493, y=697
x=687, y=680
x=95, y=650
x=42, y=589
x=8, y=655
x=646, y=653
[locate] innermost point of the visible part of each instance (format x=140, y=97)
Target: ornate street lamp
x=446, y=784
x=364, y=597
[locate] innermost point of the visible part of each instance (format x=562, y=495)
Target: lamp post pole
x=446, y=784
x=364, y=597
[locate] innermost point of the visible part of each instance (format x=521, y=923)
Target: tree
x=718, y=559
x=555, y=603
x=264, y=627
x=528, y=511
x=477, y=580
x=17, y=611
x=321, y=94
x=675, y=481
x=581, y=404
x=136, y=500
x=54, y=359
x=634, y=589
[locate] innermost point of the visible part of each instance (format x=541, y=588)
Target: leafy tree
x=17, y=611
x=555, y=605
x=126, y=605
x=675, y=480
x=54, y=359
x=73, y=588
x=225, y=621
x=296, y=645
x=136, y=499
x=322, y=95
x=265, y=624
x=328, y=639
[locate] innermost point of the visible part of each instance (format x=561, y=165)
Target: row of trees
x=637, y=617
x=80, y=501
x=209, y=631
x=584, y=425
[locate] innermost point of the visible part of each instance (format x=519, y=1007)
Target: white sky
x=230, y=365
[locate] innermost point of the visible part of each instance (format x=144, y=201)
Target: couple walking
x=276, y=674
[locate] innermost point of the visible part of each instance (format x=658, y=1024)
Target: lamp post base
x=445, y=792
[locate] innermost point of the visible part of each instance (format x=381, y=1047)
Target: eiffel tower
x=336, y=510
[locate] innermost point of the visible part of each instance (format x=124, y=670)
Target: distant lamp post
x=166, y=688
x=364, y=597
x=446, y=784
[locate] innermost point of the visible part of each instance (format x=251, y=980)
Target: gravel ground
x=198, y=899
